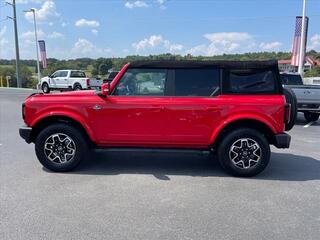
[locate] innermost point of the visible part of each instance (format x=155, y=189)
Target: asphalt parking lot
x=147, y=195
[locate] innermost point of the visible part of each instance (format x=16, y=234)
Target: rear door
x=62, y=79
x=194, y=110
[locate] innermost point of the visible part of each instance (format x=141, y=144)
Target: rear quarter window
x=196, y=82
x=77, y=74
x=250, y=82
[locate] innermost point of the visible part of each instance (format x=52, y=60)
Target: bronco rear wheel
x=60, y=147
x=244, y=152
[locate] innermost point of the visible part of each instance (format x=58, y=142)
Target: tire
x=45, y=88
x=244, y=152
x=77, y=87
x=64, y=138
x=311, y=117
x=291, y=99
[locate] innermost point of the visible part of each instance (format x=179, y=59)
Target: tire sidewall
x=311, y=117
x=77, y=87
x=291, y=99
x=45, y=85
x=74, y=134
x=224, y=148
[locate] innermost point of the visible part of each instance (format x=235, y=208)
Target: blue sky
x=107, y=28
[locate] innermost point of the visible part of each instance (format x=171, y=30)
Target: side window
x=142, y=82
x=63, y=74
x=250, y=82
x=77, y=74
x=196, y=82
x=55, y=74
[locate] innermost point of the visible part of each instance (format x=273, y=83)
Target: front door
x=135, y=113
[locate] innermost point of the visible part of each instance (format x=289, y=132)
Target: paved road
x=156, y=195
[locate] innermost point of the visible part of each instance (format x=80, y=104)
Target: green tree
x=314, y=72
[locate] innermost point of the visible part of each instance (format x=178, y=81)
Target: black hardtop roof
x=205, y=64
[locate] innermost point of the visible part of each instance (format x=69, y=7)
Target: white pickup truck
x=65, y=80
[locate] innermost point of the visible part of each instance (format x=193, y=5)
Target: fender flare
x=234, y=119
x=67, y=115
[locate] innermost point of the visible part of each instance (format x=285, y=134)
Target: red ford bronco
x=234, y=108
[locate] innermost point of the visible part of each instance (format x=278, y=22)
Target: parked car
x=111, y=76
x=236, y=109
x=65, y=80
x=308, y=96
x=96, y=83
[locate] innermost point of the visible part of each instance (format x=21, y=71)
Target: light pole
x=36, y=38
x=14, y=18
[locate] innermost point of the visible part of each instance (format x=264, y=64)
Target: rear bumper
x=25, y=133
x=309, y=107
x=282, y=140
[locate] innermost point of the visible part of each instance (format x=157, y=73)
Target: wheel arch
x=49, y=120
x=258, y=125
x=75, y=83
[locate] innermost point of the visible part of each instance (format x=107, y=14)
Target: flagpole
x=303, y=40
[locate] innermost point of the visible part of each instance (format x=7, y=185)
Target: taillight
x=287, y=113
x=88, y=81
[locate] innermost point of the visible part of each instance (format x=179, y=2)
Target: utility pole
x=303, y=40
x=36, y=39
x=14, y=18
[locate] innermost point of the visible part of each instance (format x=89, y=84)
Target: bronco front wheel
x=60, y=147
x=244, y=152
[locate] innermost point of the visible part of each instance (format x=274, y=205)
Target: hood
x=64, y=96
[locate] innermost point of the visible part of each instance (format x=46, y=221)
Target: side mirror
x=105, y=90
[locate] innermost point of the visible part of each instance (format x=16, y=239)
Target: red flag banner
x=42, y=46
x=297, y=41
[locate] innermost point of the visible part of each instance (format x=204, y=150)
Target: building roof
x=309, y=59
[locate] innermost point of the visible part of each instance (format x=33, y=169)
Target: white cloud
x=29, y=1
x=3, y=31
x=161, y=3
x=29, y=38
x=3, y=41
x=315, y=42
x=64, y=24
x=55, y=35
x=156, y=42
x=95, y=32
x=87, y=23
x=45, y=13
x=224, y=42
x=136, y=4
x=85, y=48
x=272, y=46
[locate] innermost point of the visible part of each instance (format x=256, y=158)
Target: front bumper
x=25, y=133
x=282, y=140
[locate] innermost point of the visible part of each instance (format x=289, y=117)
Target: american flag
x=297, y=40
x=42, y=46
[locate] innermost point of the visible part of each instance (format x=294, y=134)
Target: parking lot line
x=309, y=124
